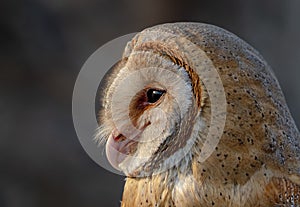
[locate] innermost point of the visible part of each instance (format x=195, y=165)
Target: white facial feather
x=163, y=118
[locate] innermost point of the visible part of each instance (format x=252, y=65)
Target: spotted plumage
x=256, y=159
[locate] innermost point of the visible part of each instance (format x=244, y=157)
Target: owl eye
x=154, y=95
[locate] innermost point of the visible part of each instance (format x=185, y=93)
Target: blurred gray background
x=43, y=46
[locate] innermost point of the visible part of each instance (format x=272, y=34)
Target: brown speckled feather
x=257, y=160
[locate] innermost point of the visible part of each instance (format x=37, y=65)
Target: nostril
x=119, y=138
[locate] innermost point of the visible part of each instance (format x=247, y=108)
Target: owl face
x=148, y=102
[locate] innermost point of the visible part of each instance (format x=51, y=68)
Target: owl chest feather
x=197, y=189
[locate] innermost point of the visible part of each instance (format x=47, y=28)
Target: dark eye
x=153, y=95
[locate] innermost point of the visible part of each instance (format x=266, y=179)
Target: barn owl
x=194, y=116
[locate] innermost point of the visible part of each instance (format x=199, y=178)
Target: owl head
x=182, y=91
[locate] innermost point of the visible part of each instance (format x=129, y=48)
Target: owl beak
x=118, y=148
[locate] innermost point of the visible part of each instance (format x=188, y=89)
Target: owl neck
x=198, y=187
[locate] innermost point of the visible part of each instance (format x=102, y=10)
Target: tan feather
x=257, y=159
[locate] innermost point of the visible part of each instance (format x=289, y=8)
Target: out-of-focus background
x=43, y=46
